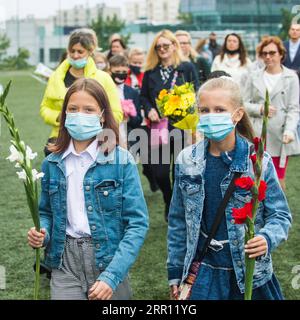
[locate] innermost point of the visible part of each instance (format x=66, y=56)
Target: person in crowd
x=79, y=64
x=200, y=63
x=101, y=61
x=292, y=46
x=202, y=48
x=135, y=74
x=117, y=46
x=93, y=213
x=203, y=174
x=130, y=99
x=233, y=59
x=165, y=67
x=283, y=87
x=213, y=46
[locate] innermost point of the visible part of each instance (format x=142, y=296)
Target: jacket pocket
x=240, y=198
x=109, y=196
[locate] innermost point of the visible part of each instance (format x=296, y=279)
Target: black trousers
x=162, y=162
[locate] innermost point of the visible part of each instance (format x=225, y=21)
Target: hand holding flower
x=35, y=238
x=256, y=247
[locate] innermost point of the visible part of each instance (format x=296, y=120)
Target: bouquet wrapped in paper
x=179, y=106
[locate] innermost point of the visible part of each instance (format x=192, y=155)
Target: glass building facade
x=261, y=16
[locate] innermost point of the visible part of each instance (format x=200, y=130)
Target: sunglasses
x=165, y=46
x=184, y=43
x=271, y=53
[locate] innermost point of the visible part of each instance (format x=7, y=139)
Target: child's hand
x=256, y=247
x=36, y=239
x=174, y=292
x=100, y=291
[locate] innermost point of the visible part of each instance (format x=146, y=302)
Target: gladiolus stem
x=37, y=274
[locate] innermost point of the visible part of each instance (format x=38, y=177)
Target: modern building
x=164, y=11
x=82, y=15
x=47, y=39
x=259, y=16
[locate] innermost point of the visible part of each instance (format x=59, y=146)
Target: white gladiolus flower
x=22, y=175
x=29, y=154
x=15, y=155
x=36, y=175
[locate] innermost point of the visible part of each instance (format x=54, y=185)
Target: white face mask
x=101, y=65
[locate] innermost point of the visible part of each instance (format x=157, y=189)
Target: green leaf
x=5, y=93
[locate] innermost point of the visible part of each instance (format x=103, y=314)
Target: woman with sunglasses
x=165, y=67
x=283, y=87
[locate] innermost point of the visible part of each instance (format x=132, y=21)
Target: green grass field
x=148, y=276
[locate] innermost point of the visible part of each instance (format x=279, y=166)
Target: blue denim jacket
x=273, y=219
x=116, y=209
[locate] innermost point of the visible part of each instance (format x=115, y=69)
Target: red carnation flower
x=253, y=158
x=244, y=183
x=262, y=190
x=240, y=214
x=256, y=142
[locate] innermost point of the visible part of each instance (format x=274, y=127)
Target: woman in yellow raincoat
x=79, y=64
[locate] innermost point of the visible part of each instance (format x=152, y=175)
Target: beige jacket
x=284, y=97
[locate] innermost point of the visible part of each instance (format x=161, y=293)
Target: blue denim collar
x=237, y=159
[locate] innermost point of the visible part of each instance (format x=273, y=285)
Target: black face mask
x=135, y=69
x=118, y=77
x=232, y=51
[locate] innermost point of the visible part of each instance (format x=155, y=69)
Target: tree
x=19, y=61
x=4, y=45
x=104, y=28
x=185, y=18
x=287, y=18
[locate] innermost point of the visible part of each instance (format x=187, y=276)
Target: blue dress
x=216, y=278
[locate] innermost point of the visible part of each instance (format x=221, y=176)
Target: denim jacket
x=116, y=209
x=273, y=218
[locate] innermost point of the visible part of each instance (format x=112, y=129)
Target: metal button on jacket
x=105, y=193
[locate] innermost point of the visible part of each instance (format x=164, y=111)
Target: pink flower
x=128, y=108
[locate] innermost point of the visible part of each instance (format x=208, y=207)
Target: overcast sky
x=45, y=8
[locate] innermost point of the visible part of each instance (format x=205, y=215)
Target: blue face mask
x=79, y=63
x=216, y=126
x=82, y=126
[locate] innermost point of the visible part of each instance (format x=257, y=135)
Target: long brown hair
x=244, y=126
x=94, y=89
x=242, y=49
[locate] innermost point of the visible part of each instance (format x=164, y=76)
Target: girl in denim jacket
x=93, y=213
x=203, y=173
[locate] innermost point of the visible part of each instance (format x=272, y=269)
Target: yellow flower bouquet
x=179, y=106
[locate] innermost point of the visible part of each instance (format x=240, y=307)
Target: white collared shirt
x=76, y=167
x=293, y=48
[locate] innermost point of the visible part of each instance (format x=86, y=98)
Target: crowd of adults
x=131, y=74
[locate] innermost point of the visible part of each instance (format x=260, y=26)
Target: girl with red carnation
x=203, y=173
